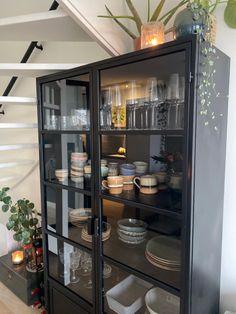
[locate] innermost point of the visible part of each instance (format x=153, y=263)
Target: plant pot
x=185, y=25
x=137, y=43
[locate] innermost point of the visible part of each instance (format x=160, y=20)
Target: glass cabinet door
x=142, y=118
x=67, y=189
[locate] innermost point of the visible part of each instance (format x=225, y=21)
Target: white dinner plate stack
x=131, y=231
x=79, y=216
x=164, y=252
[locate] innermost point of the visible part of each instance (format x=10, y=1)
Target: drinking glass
x=64, y=255
x=105, y=112
x=172, y=100
x=119, y=110
x=89, y=266
x=74, y=265
x=83, y=269
x=65, y=122
x=150, y=110
x=131, y=105
x=54, y=122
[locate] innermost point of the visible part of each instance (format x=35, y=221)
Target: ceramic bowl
x=141, y=167
x=127, y=169
x=159, y=301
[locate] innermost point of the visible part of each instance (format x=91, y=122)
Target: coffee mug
x=114, y=184
x=161, y=176
x=128, y=183
x=147, y=184
x=176, y=181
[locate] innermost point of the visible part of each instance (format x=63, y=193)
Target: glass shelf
x=167, y=202
x=83, y=187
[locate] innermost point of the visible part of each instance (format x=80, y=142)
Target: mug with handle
x=147, y=184
x=114, y=184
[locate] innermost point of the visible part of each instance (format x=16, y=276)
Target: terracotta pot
x=137, y=43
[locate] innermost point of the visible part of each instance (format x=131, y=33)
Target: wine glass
x=89, y=267
x=74, y=265
x=64, y=255
x=84, y=257
x=105, y=112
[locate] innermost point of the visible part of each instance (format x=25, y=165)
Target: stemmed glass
x=89, y=267
x=84, y=257
x=64, y=255
x=74, y=265
x=132, y=105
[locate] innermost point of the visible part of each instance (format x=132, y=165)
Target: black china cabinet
x=132, y=158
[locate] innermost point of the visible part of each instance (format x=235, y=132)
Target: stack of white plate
x=164, y=252
x=79, y=216
x=87, y=237
x=131, y=231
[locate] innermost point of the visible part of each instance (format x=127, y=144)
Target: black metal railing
x=33, y=45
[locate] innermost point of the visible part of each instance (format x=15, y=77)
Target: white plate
x=165, y=248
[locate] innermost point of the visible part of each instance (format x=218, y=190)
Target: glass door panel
x=127, y=293
x=144, y=241
x=68, y=213
x=67, y=159
x=144, y=95
x=71, y=266
x=151, y=173
x=66, y=104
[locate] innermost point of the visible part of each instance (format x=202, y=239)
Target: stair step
x=10, y=100
x=34, y=69
x=36, y=26
x=9, y=178
x=18, y=125
x=7, y=147
x=11, y=164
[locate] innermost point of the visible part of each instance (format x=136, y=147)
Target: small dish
x=130, y=224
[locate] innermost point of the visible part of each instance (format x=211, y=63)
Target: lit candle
x=152, y=34
x=17, y=257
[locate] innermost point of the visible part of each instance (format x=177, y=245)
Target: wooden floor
x=11, y=304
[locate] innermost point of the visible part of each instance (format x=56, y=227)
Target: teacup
x=61, y=174
x=147, y=184
x=104, y=171
x=141, y=167
x=114, y=184
x=127, y=169
x=87, y=170
x=161, y=176
x=128, y=183
x=176, y=181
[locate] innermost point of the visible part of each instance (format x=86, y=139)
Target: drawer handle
x=9, y=275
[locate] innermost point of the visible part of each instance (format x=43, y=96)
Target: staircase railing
x=33, y=45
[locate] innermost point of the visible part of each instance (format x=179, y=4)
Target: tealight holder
x=152, y=34
x=17, y=257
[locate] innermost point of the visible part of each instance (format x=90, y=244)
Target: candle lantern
x=17, y=257
x=152, y=34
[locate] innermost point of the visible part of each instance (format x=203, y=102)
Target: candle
x=17, y=257
x=152, y=34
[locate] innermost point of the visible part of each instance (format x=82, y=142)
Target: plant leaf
x=167, y=16
x=230, y=14
x=120, y=24
x=148, y=16
x=13, y=209
x=136, y=16
x=6, y=200
x=31, y=205
x=17, y=237
x=5, y=208
x=10, y=225
x=157, y=11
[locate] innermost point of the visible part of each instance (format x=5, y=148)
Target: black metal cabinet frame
x=189, y=293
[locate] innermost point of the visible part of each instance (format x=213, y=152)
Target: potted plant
x=156, y=15
x=197, y=12
x=22, y=220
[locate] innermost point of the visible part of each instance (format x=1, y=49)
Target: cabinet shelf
x=83, y=187
x=179, y=132
x=165, y=202
x=86, y=132
x=133, y=257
